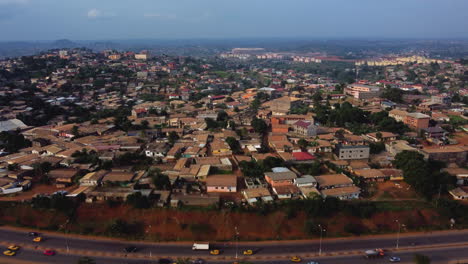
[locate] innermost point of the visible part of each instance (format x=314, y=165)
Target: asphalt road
x=438, y=256
x=229, y=249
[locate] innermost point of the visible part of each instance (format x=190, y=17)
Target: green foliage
x=424, y=176
x=259, y=125
x=234, y=145
x=13, y=141
x=137, y=160
x=161, y=181
x=310, y=169
x=85, y=157
x=56, y=202
x=376, y=148
x=122, y=228
x=139, y=201
x=421, y=259
x=172, y=137
x=393, y=94
x=86, y=260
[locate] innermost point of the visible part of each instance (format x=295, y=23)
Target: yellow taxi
x=37, y=239
x=248, y=252
x=214, y=252
x=9, y=253
x=13, y=247
x=296, y=259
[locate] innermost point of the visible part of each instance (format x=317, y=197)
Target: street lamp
x=237, y=240
x=320, y=244
x=398, y=233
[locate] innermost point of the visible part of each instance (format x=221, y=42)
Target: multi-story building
x=305, y=128
x=363, y=92
x=417, y=121
x=352, y=152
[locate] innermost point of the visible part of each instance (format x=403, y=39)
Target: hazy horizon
x=106, y=20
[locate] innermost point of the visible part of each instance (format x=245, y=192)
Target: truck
x=374, y=253
x=201, y=246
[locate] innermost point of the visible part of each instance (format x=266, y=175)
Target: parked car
x=296, y=259
x=215, y=252
x=49, y=252
x=394, y=259
x=131, y=249
x=9, y=253
x=13, y=247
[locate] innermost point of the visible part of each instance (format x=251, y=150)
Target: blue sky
x=169, y=19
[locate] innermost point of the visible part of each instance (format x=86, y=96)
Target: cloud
x=98, y=14
x=94, y=13
x=161, y=16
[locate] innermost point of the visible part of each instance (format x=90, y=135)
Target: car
x=37, y=239
x=13, y=247
x=215, y=252
x=248, y=252
x=296, y=259
x=394, y=259
x=131, y=249
x=34, y=234
x=9, y=253
x=49, y=252
x=312, y=262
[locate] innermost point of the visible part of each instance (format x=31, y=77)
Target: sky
x=219, y=19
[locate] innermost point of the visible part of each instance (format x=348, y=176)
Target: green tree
x=172, y=137
x=86, y=260
x=75, y=131
x=139, y=201
x=303, y=144
x=259, y=125
x=234, y=145
x=421, y=259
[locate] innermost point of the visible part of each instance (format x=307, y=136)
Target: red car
x=49, y=252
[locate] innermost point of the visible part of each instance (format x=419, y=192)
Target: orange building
x=417, y=121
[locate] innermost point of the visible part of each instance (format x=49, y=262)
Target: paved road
x=275, y=248
x=438, y=256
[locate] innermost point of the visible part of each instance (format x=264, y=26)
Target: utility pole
x=321, y=236
x=398, y=233
x=237, y=240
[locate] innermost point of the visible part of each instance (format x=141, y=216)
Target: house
x=302, y=157
x=371, y=175
x=63, y=177
x=397, y=146
x=434, y=132
x=280, y=178
x=309, y=191
x=257, y=194
x=352, y=152
x=221, y=183
x=157, y=150
x=459, y=193
x=288, y=191
x=254, y=183
x=381, y=136
x=447, y=154
x=93, y=178
x=121, y=177
x=330, y=181
x=398, y=115
x=342, y=193
x=393, y=174
x=305, y=181
x=305, y=128
x=460, y=173
x=320, y=146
